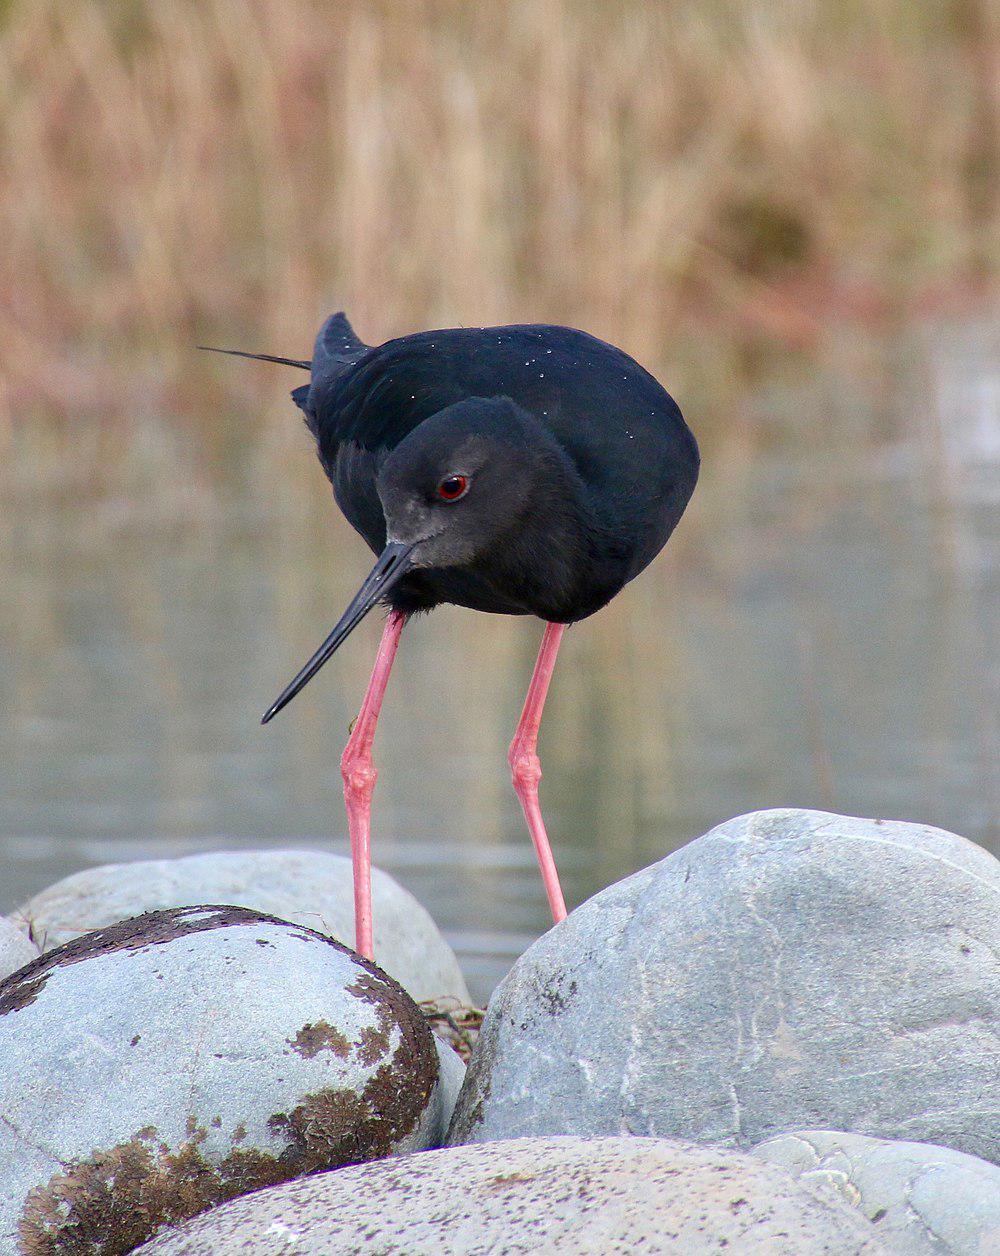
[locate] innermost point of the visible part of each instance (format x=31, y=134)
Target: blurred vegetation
x=707, y=182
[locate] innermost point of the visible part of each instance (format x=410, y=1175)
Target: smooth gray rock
x=788, y=970
x=924, y=1200
x=16, y=948
x=167, y=1063
x=565, y=1195
x=451, y=1076
x=309, y=887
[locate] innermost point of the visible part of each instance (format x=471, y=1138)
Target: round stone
x=16, y=947
x=789, y=970
x=167, y=1063
x=923, y=1200
x=567, y=1195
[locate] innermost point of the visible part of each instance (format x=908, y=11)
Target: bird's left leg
x=526, y=770
x=359, y=775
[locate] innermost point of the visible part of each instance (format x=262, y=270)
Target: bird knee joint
x=359, y=778
x=525, y=769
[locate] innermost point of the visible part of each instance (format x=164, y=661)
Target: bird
x=529, y=469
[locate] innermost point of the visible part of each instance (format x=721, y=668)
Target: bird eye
x=452, y=487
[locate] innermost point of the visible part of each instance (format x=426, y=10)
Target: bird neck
x=549, y=546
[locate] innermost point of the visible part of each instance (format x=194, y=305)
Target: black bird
x=525, y=470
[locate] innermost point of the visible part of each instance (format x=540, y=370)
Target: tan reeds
x=676, y=176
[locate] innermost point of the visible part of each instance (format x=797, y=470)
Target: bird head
x=458, y=484
x=452, y=491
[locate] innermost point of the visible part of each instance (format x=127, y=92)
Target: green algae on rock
x=177, y=1060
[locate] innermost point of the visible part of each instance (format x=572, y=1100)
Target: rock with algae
x=170, y=1062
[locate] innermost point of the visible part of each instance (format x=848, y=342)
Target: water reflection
x=822, y=633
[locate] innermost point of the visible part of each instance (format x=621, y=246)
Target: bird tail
x=337, y=347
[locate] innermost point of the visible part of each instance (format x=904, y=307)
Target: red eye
x=453, y=487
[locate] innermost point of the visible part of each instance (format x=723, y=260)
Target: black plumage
x=580, y=462
x=576, y=466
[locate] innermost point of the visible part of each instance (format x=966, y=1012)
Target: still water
x=822, y=632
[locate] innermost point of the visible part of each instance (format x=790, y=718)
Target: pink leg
x=359, y=775
x=526, y=770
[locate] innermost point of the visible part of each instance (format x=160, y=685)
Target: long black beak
x=393, y=563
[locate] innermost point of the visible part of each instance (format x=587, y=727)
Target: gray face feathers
x=458, y=485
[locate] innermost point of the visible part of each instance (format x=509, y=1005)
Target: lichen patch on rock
x=321, y=1036
x=109, y=1203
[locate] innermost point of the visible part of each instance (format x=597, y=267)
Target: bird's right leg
x=358, y=771
x=526, y=771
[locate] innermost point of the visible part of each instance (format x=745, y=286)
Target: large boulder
x=170, y=1062
x=309, y=887
x=16, y=947
x=789, y=970
x=567, y=1195
x=925, y=1200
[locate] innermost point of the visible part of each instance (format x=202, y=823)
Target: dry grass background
x=699, y=180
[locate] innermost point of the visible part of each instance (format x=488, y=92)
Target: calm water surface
x=821, y=633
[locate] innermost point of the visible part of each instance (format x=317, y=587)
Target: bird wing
x=337, y=349
x=601, y=405
x=387, y=391
x=360, y=412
